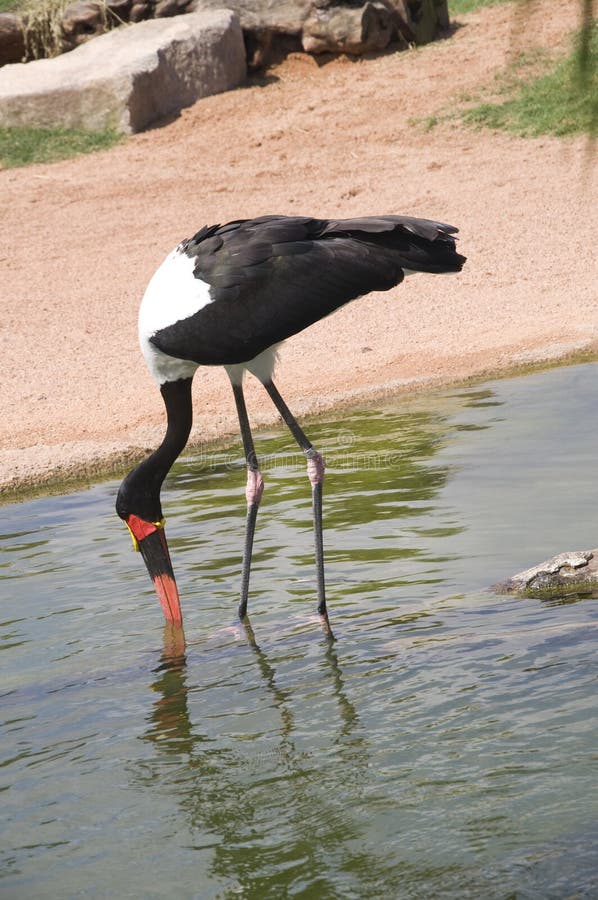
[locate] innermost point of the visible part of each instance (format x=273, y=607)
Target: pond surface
x=444, y=746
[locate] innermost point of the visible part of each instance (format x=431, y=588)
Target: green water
x=444, y=746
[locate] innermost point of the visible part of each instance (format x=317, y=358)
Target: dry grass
x=43, y=29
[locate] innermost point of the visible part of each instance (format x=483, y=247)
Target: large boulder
x=128, y=78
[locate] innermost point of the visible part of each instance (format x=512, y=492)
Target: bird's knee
x=254, y=487
x=316, y=466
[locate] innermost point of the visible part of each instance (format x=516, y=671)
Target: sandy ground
x=80, y=240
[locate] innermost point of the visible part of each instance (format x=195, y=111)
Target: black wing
x=273, y=276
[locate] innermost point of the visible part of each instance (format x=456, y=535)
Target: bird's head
x=138, y=505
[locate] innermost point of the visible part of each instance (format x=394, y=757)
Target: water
x=443, y=746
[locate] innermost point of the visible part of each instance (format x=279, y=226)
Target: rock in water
x=575, y=572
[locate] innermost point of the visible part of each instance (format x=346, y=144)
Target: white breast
x=173, y=294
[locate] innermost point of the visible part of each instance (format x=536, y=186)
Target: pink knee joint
x=316, y=466
x=254, y=487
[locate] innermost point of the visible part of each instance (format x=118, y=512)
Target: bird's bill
x=150, y=540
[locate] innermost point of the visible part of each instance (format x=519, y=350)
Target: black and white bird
x=229, y=296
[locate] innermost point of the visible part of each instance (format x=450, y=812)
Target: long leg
x=315, y=471
x=253, y=492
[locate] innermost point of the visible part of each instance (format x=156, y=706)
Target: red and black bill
x=149, y=538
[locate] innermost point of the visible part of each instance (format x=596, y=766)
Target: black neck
x=140, y=491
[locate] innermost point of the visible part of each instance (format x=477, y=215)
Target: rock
x=575, y=572
x=165, y=8
x=340, y=29
x=12, y=40
x=425, y=18
x=271, y=27
x=128, y=78
x=120, y=10
x=86, y=19
x=139, y=12
x=351, y=26
x=81, y=21
x=282, y=16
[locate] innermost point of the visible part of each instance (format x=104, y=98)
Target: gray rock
x=283, y=16
x=165, y=8
x=342, y=29
x=138, y=11
x=81, y=21
x=12, y=39
x=337, y=26
x=575, y=572
x=271, y=27
x=128, y=78
x=421, y=20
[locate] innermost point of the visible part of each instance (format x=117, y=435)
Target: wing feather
x=273, y=276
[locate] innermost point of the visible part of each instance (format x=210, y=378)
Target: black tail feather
x=422, y=245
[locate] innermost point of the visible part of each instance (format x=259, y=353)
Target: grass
x=562, y=101
x=536, y=94
x=24, y=146
x=457, y=7
x=43, y=31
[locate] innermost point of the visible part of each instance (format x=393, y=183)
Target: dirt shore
x=81, y=238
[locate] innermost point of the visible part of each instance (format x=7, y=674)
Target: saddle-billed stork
x=228, y=297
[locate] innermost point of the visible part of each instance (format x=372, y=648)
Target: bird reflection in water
x=247, y=791
x=170, y=720
x=170, y=716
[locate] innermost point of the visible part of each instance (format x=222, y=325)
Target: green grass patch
x=562, y=101
x=8, y=5
x=457, y=7
x=23, y=146
x=537, y=93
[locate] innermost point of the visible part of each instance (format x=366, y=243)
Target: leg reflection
x=281, y=697
x=259, y=753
